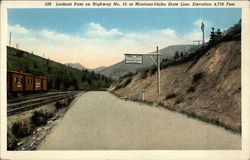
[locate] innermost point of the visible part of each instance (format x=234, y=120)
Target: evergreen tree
x=212, y=35
x=181, y=54
x=176, y=55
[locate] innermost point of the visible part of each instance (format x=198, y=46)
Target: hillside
x=119, y=69
x=76, y=66
x=99, y=69
x=60, y=76
x=207, y=86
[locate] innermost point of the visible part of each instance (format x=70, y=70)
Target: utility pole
x=157, y=62
x=159, y=70
x=202, y=28
x=10, y=40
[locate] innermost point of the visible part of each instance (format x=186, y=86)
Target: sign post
x=138, y=59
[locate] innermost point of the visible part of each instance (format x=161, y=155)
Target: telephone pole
x=202, y=28
x=159, y=70
x=10, y=40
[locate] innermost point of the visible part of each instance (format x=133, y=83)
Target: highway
x=101, y=121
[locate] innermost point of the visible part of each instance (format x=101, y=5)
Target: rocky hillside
x=120, y=69
x=208, y=88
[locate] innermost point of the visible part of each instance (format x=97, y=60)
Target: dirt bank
x=208, y=88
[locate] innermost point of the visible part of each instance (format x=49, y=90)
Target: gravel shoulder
x=101, y=121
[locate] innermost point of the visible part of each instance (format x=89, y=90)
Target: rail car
x=20, y=82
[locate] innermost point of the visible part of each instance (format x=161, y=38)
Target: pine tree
x=212, y=35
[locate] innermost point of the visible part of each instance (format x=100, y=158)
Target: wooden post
x=10, y=40
x=159, y=71
x=143, y=95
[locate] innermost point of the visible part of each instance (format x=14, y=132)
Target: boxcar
x=38, y=84
x=29, y=83
x=24, y=82
x=44, y=84
x=16, y=82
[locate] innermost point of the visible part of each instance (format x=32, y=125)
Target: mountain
x=119, y=69
x=99, y=69
x=76, y=66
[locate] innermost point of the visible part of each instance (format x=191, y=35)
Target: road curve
x=101, y=121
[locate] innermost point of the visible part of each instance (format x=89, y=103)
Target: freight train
x=22, y=83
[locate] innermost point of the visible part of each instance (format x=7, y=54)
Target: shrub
x=191, y=89
x=61, y=103
x=11, y=142
x=197, y=77
x=40, y=118
x=179, y=100
x=130, y=74
x=21, y=129
x=124, y=83
x=144, y=75
x=170, y=96
x=152, y=70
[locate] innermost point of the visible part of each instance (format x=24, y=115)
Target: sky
x=101, y=37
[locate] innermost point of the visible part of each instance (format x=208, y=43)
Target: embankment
x=208, y=88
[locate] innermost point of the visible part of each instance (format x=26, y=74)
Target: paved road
x=100, y=121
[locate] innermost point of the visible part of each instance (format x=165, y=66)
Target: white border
x=243, y=154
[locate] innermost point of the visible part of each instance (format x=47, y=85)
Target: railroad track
x=27, y=104
x=19, y=99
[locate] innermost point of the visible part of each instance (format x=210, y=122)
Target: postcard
x=125, y=79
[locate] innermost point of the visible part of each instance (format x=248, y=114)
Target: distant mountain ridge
x=76, y=66
x=81, y=67
x=99, y=69
x=119, y=69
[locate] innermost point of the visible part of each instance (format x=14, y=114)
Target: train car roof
x=27, y=74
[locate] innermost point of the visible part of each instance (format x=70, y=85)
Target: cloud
x=196, y=33
x=170, y=33
x=17, y=29
x=198, y=22
x=98, y=46
x=95, y=30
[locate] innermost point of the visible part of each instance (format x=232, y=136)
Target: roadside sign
x=133, y=58
x=138, y=59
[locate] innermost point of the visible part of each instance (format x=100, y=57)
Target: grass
x=211, y=121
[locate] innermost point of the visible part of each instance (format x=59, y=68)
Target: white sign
x=133, y=58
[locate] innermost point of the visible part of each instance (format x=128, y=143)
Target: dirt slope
x=209, y=88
